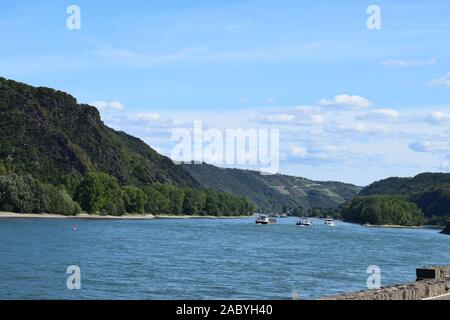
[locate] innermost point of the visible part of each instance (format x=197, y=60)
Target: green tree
x=156, y=202
x=97, y=191
x=24, y=194
x=134, y=199
x=174, y=195
x=194, y=201
x=212, y=203
x=379, y=209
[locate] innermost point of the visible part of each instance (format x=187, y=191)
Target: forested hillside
x=57, y=156
x=427, y=192
x=46, y=133
x=273, y=192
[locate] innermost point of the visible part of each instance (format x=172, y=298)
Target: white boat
x=330, y=222
x=304, y=222
x=265, y=219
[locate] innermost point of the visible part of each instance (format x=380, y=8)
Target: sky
x=351, y=103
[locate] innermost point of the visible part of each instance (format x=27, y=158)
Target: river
x=205, y=258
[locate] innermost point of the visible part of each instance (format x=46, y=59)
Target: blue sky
x=254, y=64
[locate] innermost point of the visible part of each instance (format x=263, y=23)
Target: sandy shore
x=162, y=216
x=80, y=216
x=93, y=217
x=394, y=226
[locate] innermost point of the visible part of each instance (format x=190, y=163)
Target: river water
x=205, y=258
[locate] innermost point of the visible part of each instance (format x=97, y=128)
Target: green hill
x=46, y=133
x=272, y=192
x=407, y=186
x=430, y=192
x=49, y=140
x=57, y=156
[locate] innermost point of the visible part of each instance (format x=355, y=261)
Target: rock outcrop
x=447, y=229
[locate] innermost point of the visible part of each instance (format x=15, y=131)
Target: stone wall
x=433, y=272
x=433, y=283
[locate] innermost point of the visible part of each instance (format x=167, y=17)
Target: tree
x=61, y=202
x=100, y=193
x=17, y=195
x=174, y=195
x=299, y=211
x=194, y=201
x=156, y=202
x=212, y=203
x=134, y=199
x=24, y=194
x=97, y=191
x=378, y=210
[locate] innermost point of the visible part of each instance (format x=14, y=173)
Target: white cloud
x=306, y=116
x=445, y=166
x=280, y=118
x=345, y=101
x=108, y=106
x=314, y=154
x=430, y=146
x=313, y=119
x=148, y=117
x=408, y=63
x=382, y=115
x=438, y=118
x=443, y=81
x=359, y=128
x=331, y=154
x=298, y=152
x=151, y=121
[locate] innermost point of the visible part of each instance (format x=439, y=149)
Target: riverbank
x=166, y=216
x=80, y=216
x=124, y=217
x=393, y=226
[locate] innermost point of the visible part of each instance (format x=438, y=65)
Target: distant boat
x=330, y=222
x=264, y=219
x=304, y=222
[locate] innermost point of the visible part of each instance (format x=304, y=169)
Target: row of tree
x=100, y=193
x=383, y=210
x=24, y=194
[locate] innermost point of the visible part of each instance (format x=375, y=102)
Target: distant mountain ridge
x=272, y=192
x=412, y=185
